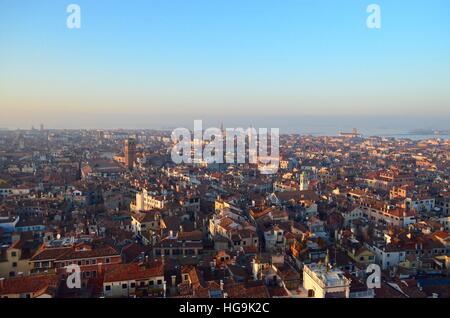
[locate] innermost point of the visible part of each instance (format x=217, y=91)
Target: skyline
x=304, y=125
x=138, y=65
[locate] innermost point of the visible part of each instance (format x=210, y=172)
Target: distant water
x=419, y=137
x=383, y=133
x=396, y=127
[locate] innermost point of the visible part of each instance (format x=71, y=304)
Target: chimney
x=174, y=280
x=254, y=270
x=164, y=288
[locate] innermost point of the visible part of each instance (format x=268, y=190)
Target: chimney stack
x=174, y=280
x=164, y=288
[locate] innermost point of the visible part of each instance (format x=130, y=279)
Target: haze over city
x=224, y=156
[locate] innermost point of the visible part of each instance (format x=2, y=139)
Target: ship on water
x=353, y=134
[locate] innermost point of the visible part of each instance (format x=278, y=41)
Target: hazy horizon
x=318, y=125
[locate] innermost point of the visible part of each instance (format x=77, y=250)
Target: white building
x=321, y=282
x=352, y=215
x=146, y=201
x=387, y=255
x=421, y=204
x=445, y=221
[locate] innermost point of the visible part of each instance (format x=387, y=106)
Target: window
x=159, y=282
x=189, y=252
x=107, y=260
x=151, y=283
x=13, y=254
x=14, y=264
x=107, y=287
x=124, y=286
x=133, y=285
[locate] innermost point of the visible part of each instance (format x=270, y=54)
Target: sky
x=162, y=63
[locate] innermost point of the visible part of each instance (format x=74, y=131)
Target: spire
x=335, y=256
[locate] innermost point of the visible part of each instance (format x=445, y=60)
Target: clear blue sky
x=213, y=58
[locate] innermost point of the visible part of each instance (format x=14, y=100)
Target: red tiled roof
x=133, y=271
x=28, y=284
x=49, y=254
x=96, y=252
